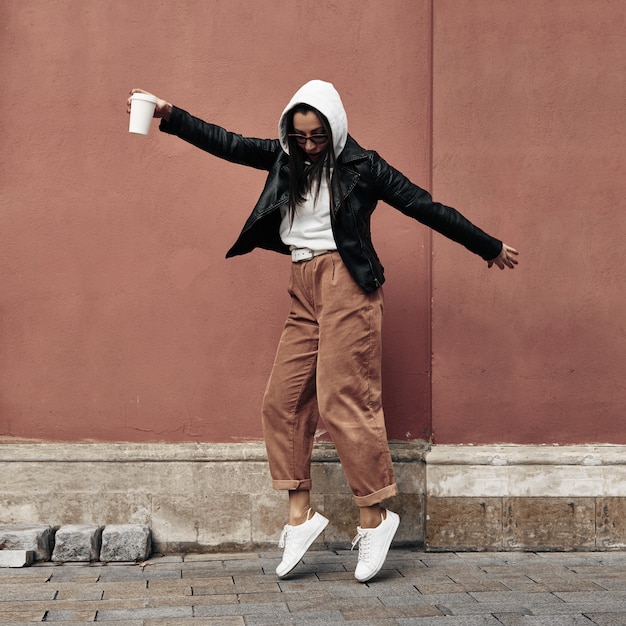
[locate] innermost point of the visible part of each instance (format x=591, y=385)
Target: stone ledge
x=526, y=471
x=501, y=455
x=207, y=497
x=179, y=452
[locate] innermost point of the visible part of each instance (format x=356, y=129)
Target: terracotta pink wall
x=529, y=131
x=120, y=319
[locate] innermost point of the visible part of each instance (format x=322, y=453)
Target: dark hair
x=302, y=176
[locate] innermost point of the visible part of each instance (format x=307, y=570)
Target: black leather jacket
x=365, y=179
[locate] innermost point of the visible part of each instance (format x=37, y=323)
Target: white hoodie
x=311, y=226
x=325, y=98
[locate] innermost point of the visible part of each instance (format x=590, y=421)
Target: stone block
x=39, y=539
x=410, y=508
x=344, y=518
x=268, y=516
x=411, y=477
x=610, y=523
x=16, y=558
x=181, y=523
x=77, y=542
x=125, y=542
x=464, y=523
x=329, y=478
x=549, y=523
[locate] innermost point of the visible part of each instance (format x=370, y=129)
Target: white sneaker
x=296, y=540
x=373, y=546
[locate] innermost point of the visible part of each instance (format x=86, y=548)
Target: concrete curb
x=38, y=539
x=16, y=558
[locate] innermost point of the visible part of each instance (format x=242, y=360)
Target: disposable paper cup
x=141, y=113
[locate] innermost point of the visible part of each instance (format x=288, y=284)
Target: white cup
x=142, y=107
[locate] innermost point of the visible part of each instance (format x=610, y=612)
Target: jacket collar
x=352, y=151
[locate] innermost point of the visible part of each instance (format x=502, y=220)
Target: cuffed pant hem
x=292, y=485
x=377, y=497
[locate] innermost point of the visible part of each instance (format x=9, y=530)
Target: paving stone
x=303, y=619
x=595, y=596
x=205, y=621
x=608, y=619
x=307, y=602
x=173, y=601
x=454, y=587
x=26, y=592
x=276, y=610
x=448, y=599
x=8, y=576
x=70, y=616
x=335, y=589
x=510, y=619
x=207, y=569
x=144, y=613
x=71, y=591
x=514, y=597
x=125, y=542
x=19, y=617
x=490, y=608
x=218, y=588
x=16, y=558
x=75, y=576
x=39, y=539
x=478, y=620
x=576, y=608
x=126, y=622
x=251, y=587
x=72, y=605
x=380, y=622
x=382, y=612
x=134, y=572
x=77, y=542
x=224, y=556
x=160, y=559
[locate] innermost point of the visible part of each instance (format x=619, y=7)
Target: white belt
x=305, y=254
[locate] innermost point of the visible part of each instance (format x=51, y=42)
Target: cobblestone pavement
x=456, y=589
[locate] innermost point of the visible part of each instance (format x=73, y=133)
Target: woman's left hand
x=506, y=258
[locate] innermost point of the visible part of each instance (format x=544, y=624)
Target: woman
x=321, y=190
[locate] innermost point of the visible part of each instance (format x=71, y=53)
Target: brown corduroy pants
x=328, y=363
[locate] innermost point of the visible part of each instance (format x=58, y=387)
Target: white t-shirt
x=311, y=226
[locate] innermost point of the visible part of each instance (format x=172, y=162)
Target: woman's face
x=305, y=126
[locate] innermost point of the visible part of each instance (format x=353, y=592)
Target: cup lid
x=144, y=96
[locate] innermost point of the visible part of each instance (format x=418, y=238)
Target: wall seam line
x=430, y=234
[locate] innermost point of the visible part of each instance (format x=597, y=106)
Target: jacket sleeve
x=398, y=191
x=257, y=153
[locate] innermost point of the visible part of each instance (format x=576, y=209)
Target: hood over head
x=324, y=97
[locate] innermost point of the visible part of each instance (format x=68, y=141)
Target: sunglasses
x=301, y=140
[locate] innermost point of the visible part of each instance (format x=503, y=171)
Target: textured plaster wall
x=120, y=320
x=528, y=130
